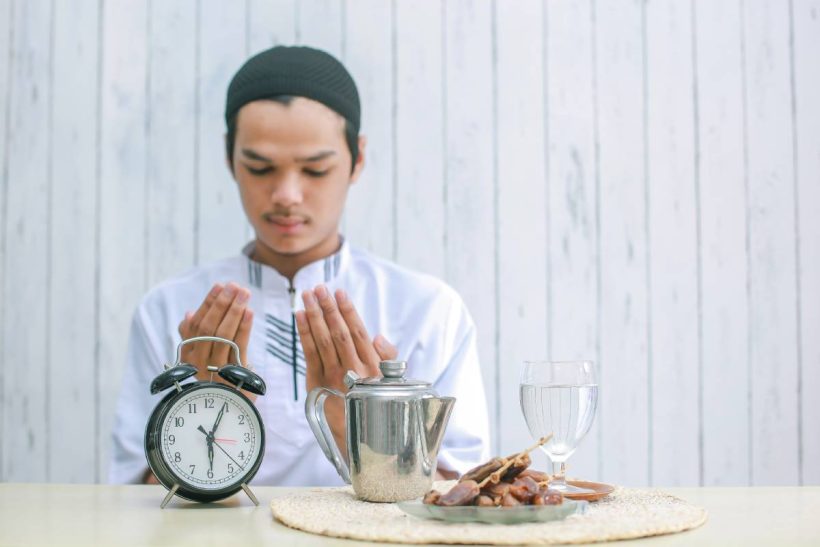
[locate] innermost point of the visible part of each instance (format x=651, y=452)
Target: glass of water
x=559, y=398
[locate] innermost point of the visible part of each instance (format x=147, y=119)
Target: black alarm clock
x=205, y=440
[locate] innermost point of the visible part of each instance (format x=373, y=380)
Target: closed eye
x=258, y=171
x=314, y=173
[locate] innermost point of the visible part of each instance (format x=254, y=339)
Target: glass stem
x=559, y=470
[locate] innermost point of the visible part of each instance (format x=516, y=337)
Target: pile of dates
x=501, y=482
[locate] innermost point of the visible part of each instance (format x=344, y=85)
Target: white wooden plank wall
x=724, y=449
x=633, y=182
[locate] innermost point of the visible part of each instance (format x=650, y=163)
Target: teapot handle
x=315, y=412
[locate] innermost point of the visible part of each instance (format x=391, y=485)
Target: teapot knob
x=393, y=369
x=350, y=378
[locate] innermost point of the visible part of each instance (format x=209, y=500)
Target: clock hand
x=210, y=438
x=218, y=418
x=229, y=456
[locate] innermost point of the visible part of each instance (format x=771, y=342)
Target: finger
x=199, y=314
x=386, y=350
x=243, y=335
x=320, y=333
x=185, y=333
x=229, y=327
x=358, y=332
x=211, y=321
x=185, y=326
x=339, y=333
x=313, y=362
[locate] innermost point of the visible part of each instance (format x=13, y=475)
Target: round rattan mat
x=624, y=514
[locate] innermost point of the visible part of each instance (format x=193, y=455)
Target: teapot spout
x=436, y=412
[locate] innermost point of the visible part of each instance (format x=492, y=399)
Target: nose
x=287, y=191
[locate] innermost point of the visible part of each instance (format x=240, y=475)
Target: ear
x=357, y=169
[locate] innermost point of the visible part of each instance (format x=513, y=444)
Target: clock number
x=191, y=408
x=242, y=455
x=179, y=422
x=230, y=468
x=210, y=474
x=193, y=467
x=209, y=403
x=241, y=419
x=247, y=437
x=172, y=439
x=177, y=457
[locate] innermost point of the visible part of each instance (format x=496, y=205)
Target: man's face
x=292, y=165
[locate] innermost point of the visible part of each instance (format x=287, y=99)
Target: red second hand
x=225, y=440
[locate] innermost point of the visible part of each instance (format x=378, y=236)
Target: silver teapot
x=394, y=428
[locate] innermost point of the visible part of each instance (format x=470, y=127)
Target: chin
x=287, y=246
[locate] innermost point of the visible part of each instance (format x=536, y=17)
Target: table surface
x=56, y=514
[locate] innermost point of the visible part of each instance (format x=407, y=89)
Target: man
x=299, y=301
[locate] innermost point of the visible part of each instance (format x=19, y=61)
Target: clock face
x=211, y=437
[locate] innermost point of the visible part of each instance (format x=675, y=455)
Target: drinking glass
x=559, y=398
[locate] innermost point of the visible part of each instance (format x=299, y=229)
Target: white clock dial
x=211, y=438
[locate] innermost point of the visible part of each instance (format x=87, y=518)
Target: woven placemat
x=624, y=514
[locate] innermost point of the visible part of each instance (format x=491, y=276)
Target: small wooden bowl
x=599, y=490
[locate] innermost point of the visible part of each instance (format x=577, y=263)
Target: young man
x=299, y=301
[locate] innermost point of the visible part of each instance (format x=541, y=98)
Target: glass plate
x=494, y=515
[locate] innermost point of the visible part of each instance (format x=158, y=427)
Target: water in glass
x=559, y=398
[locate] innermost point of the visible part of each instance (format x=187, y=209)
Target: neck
x=289, y=264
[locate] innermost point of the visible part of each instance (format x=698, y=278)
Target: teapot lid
x=392, y=377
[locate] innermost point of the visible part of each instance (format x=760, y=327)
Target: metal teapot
x=394, y=428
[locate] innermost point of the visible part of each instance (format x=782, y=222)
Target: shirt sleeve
x=135, y=403
x=467, y=439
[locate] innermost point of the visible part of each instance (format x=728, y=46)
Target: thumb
x=384, y=348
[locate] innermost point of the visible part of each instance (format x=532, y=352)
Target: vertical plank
x=220, y=223
x=672, y=245
x=572, y=214
x=772, y=268
x=320, y=24
x=271, y=22
x=5, y=107
x=171, y=140
x=470, y=249
x=73, y=215
x=370, y=211
x=623, y=242
x=26, y=233
x=806, y=58
x=722, y=254
x=419, y=136
x=122, y=188
x=521, y=189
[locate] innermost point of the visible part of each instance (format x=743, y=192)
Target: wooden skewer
x=496, y=476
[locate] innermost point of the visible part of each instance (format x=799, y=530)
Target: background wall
x=632, y=182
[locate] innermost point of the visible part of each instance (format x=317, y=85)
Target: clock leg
x=250, y=494
x=170, y=495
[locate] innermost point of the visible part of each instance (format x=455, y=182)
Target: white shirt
x=422, y=316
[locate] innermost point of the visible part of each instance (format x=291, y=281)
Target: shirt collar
x=322, y=271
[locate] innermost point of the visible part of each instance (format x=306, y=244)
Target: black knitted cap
x=297, y=71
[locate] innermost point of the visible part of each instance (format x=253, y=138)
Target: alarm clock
x=205, y=440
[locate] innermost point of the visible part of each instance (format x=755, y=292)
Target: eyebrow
x=251, y=154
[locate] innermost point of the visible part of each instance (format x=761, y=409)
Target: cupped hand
x=335, y=340
x=224, y=313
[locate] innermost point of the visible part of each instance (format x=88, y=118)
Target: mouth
x=287, y=224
